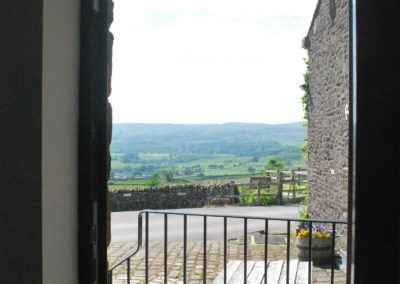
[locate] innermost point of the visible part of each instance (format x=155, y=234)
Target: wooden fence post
x=258, y=192
x=279, y=186
x=294, y=184
x=235, y=191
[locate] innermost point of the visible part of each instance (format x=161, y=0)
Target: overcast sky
x=209, y=61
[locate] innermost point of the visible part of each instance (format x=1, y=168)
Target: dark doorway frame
x=94, y=137
x=375, y=148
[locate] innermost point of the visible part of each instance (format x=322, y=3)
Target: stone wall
x=328, y=126
x=172, y=197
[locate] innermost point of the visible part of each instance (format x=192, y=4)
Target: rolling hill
x=234, y=138
x=213, y=149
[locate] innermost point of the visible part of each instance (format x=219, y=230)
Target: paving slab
x=215, y=261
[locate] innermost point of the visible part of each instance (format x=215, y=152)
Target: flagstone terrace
x=205, y=261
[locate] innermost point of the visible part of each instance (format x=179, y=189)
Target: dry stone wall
x=328, y=126
x=172, y=197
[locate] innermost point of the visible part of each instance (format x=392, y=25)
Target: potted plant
x=321, y=243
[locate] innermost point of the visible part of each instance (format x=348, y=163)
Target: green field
x=200, y=153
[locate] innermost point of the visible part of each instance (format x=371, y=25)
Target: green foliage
x=130, y=158
x=155, y=180
x=215, y=166
x=304, y=147
x=187, y=171
x=140, y=150
x=303, y=214
x=304, y=201
x=255, y=159
x=305, y=101
x=236, y=169
x=144, y=170
x=273, y=164
x=168, y=174
x=251, y=169
x=265, y=200
x=127, y=169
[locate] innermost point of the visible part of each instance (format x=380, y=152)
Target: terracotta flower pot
x=321, y=250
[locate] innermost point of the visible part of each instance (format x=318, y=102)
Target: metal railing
x=145, y=215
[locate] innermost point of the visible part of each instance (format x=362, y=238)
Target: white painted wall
x=60, y=141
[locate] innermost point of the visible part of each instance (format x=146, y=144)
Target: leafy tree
x=155, y=180
x=251, y=169
x=255, y=159
x=144, y=169
x=273, y=164
x=130, y=158
x=168, y=175
x=187, y=171
x=127, y=169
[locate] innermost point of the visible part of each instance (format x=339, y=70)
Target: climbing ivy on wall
x=305, y=101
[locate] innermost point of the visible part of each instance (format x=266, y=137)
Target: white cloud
x=208, y=61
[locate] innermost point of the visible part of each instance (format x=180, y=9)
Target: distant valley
x=193, y=151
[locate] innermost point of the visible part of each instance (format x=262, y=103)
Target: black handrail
x=225, y=217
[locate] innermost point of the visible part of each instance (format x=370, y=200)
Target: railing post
x=146, y=257
x=204, y=249
x=288, y=252
x=266, y=251
x=128, y=271
x=333, y=252
x=245, y=251
x=165, y=248
x=184, y=247
x=225, y=249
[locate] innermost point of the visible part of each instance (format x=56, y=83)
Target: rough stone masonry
x=327, y=43
x=174, y=196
